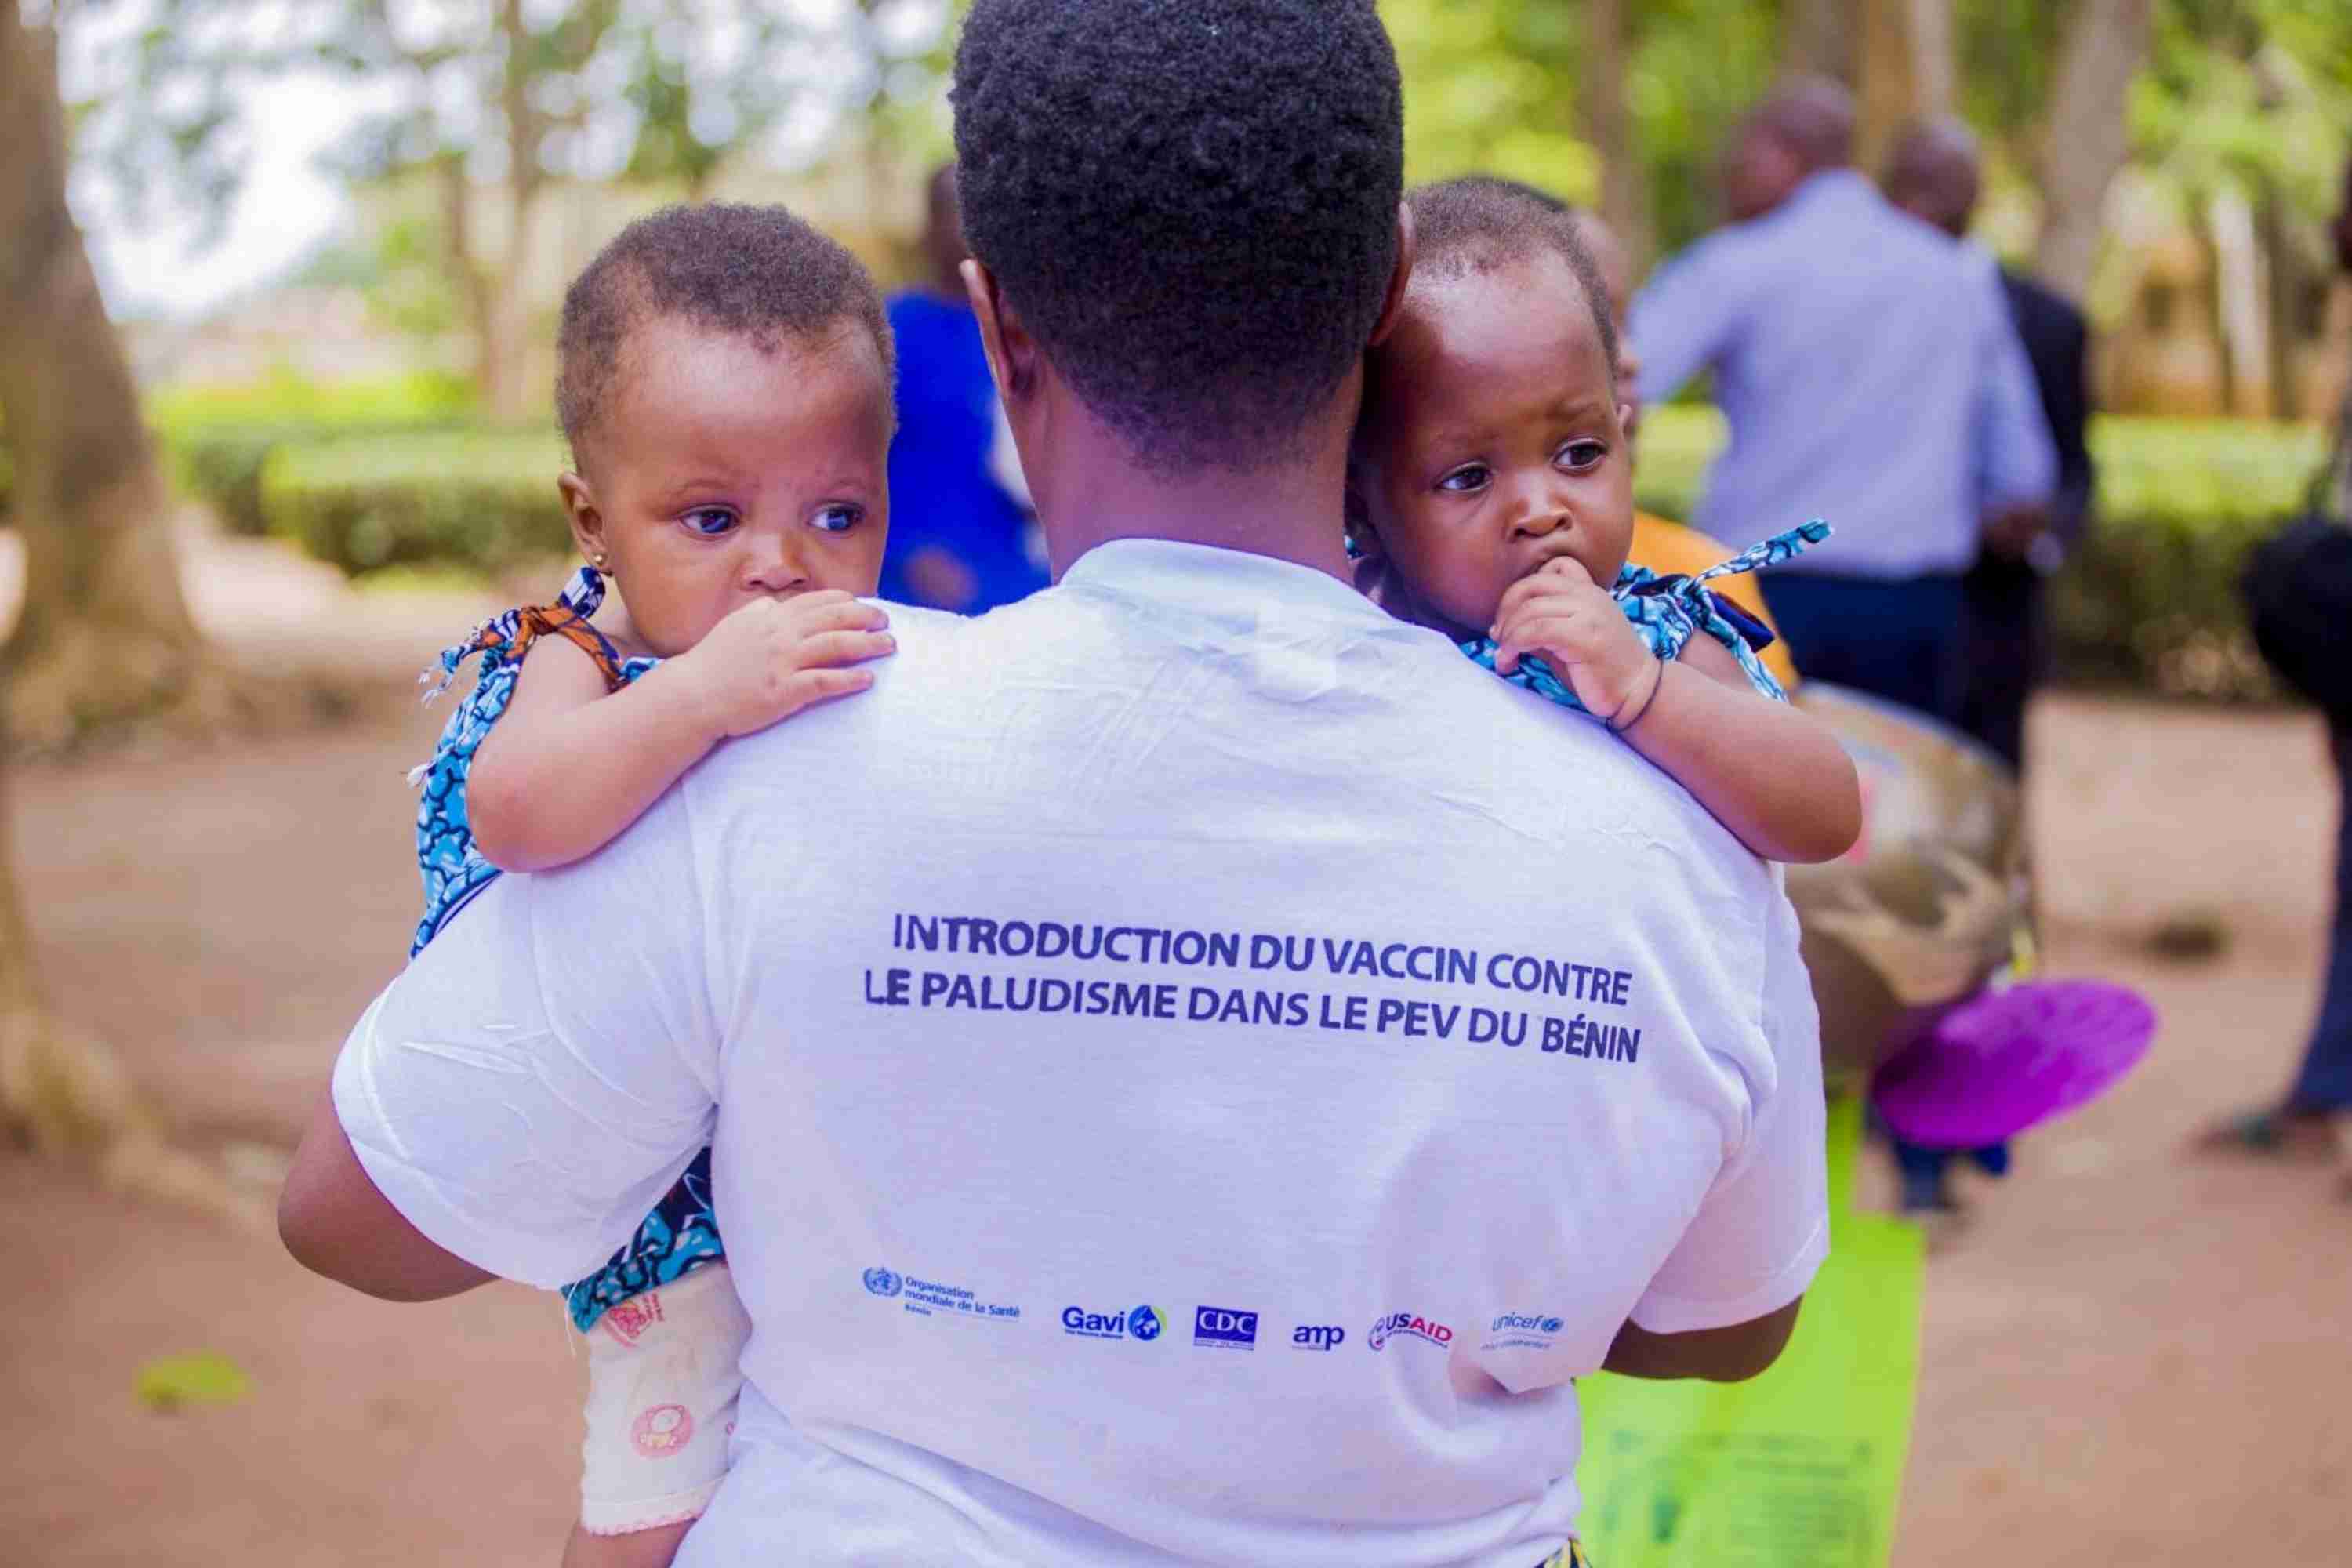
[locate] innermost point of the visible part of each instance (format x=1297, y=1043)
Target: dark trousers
x=1899, y=638
x=2003, y=654
x=2325, y=1082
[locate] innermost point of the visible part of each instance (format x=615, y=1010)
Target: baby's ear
x=579, y=509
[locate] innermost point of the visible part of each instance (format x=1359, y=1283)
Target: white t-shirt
x=1196, y=1068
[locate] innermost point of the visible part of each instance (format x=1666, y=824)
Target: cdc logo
x=1225, y=1328
x=1145, y=1323
x=882, y=1282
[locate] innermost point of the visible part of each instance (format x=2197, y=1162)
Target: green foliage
x=219, y=437
x=1490, y=88
x=484, y=501
x=2150, y=600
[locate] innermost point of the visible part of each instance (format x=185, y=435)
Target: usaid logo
x=1317, y=1337
x=882, y=1282
x=1224, y=1329
x=1408, y=1324
x=1137, y=1323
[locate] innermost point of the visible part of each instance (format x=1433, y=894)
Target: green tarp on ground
x=1802, y=1467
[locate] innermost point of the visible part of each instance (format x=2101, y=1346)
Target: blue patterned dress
x=1668, y=611
x=681, y=1235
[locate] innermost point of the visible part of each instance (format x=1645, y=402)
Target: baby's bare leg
x=638, y=1549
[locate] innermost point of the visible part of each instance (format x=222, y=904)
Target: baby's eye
x=839, y=517
x=1468, y=479
x=709, y=521
x=1581, y=456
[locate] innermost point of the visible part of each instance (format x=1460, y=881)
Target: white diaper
x=664, y=1369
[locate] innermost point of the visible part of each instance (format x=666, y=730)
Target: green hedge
x=2150, y=601
x=484, y=501
x=2151, y=598
x=220, y=437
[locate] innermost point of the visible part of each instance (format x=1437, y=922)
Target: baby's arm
x=570, y=766
x=1775, y=776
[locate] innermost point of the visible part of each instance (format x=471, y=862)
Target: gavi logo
x=1137, y=1323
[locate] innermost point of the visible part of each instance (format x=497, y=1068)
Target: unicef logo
x=882, y=1282
x=1145, y=1323
x=1554, y=1325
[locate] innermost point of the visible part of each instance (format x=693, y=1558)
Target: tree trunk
x=105, y=634
x=1609, y=126
x=1818, y=39
x=1907, y=71
x=2085, y=138
x=506, y=387
x=2241, y=301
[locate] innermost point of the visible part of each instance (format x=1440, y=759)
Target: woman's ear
x=1012, y=352
x=587, y=521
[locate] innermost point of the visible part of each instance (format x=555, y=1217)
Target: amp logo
x=1224, y=1329
x=1317, y=1337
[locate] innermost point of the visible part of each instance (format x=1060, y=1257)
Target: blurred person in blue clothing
x=1869, y=375
x=2314, y=1118
x=1934, y=176
x=960, y=537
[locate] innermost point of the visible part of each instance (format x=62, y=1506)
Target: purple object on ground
x=2004, y=1060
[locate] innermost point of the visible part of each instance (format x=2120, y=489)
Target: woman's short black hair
x=1191, y=203
x=1478, y=223
x=754, y=271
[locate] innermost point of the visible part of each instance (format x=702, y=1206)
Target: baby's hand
x=772, y=658
x=1559, y=613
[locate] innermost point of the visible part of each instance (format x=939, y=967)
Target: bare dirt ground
x=2130, y=1356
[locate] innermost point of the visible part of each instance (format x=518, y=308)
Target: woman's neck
x=1091, y=490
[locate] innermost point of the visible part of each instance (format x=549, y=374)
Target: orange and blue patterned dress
x=681, y=1235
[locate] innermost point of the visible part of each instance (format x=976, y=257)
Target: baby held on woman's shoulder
x=1490, y=498
x=725, y=385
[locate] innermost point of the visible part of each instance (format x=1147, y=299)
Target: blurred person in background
x=1935, y=175
x=2314, y=1118
x=964, y=542
x=1869, y=375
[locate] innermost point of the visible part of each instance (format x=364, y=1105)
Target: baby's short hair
x=757, y=271
x=1478, y=223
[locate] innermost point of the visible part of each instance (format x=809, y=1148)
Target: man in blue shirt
x=1869, y=375
x=959, y=540
x=1934, y=174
